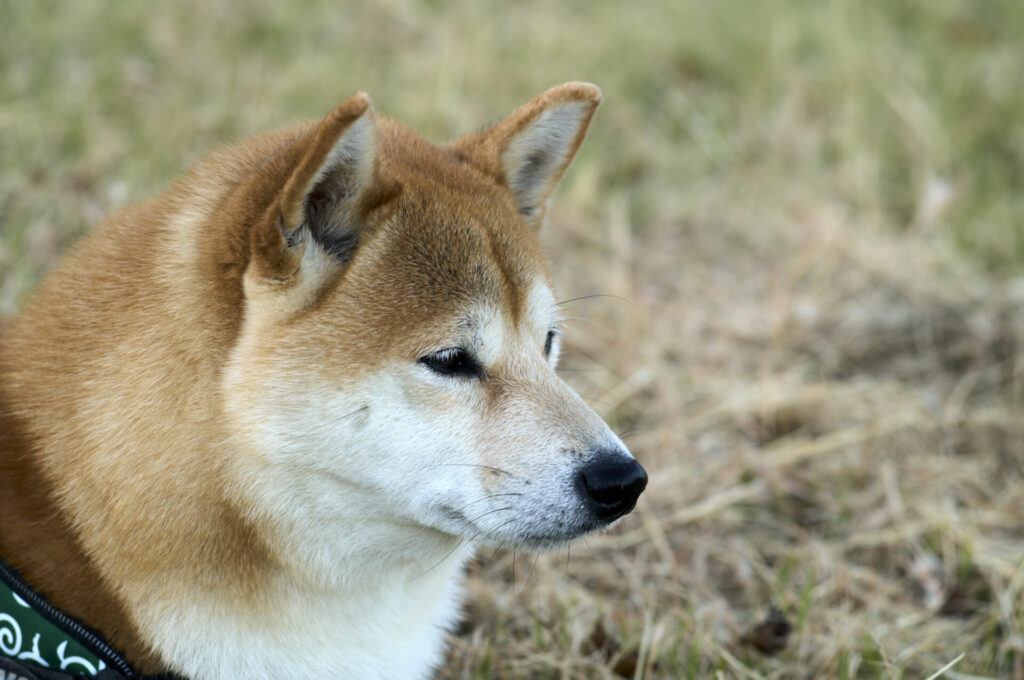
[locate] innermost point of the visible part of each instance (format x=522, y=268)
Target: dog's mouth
x=506, y=526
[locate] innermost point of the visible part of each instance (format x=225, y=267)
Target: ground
x=790, y=251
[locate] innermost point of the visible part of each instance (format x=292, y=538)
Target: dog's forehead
x=539, y=313
x=461, y=245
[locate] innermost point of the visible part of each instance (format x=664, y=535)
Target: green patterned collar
x=40, y=642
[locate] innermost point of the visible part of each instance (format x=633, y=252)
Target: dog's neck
x=293, y=628
x=209, y=626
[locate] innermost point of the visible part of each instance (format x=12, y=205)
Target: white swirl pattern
x=66, y=661
x=12, y=637
x=33, y=654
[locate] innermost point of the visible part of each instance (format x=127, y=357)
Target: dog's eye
x=550, y=341
x=453, y=361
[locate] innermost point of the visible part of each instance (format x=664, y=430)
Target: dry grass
x=807, y=220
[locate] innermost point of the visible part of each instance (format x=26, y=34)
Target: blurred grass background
x=813, y=212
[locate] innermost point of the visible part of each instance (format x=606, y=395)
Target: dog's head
x=397, y=357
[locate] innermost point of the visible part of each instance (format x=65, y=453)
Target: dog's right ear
x=325, y=196
x=530, y=150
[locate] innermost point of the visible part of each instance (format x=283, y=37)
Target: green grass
x=814, y=213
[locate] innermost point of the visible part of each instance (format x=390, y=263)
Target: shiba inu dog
x=254, y=427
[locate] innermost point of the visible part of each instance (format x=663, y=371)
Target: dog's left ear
x=530, y=150
x=329, y=188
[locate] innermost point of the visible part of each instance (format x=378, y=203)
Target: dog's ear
x=330, y=186
x=530, y=150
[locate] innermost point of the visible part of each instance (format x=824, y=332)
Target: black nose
x=611, y=483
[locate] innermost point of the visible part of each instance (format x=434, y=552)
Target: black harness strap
x=11, y=669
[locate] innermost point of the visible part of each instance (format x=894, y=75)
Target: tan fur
x=117, y=483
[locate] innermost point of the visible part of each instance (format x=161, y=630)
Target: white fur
x=389, y=626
